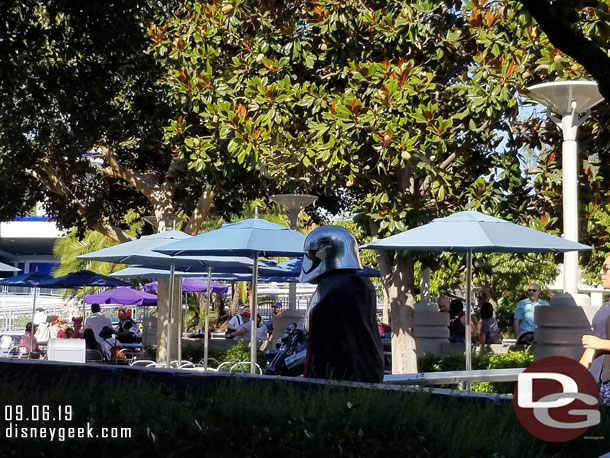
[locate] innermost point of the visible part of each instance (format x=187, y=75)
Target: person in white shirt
x=262, y=333
x=40, y=317
x=97, y=321
x=236, y=321
x=243, y=331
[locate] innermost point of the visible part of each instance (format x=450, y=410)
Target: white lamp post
x=293, y=203
x=572, y=100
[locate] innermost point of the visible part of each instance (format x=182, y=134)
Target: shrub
x=193, y=415
x=483, y=360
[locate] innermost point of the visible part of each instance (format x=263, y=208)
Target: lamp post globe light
x=293, y=203
x=572, y=100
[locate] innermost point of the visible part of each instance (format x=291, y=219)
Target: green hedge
x=483, y=360
x=261, y=418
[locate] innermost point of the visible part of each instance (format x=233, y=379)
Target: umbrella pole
x=207, y=321
x=84, y=308
x=169, y=317
x=180, y=329
x=468, y=337
x=32, y=323
x=253, y=346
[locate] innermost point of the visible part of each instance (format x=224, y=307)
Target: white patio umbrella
x=7, y=268
x=473, y=232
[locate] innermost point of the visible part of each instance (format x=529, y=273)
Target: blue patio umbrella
x=141, y=252
x=30, y=280
x=82, y=278
x=251, y=237
x=474, y=232
x=150, y=273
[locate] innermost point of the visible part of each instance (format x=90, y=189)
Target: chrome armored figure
x=344, y=342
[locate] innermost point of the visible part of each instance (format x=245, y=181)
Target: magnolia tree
x=400, y=111
x=393, y=111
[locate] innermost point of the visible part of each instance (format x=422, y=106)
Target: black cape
x=344, y=342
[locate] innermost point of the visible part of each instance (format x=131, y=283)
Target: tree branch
x=200, y=213
x=50, y=179
x=144, y=183
x=425, y=186
x=566, y=36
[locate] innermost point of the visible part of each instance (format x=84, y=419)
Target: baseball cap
x=277, y=305
x=246, y=314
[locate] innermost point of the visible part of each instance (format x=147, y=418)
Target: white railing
x=451, y=377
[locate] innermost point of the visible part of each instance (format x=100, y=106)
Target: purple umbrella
x=192, y=285
x=124, y=296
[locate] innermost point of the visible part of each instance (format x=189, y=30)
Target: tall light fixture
x=572, y=100
x=293, y=203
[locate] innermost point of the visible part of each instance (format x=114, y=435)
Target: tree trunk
x=398, y=282
x=386, y=309
x=487, y=294
x=217, y=303
x=201, y=303
x=236, y=296
x=163, y=317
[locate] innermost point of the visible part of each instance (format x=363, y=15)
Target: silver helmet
x=328, y=248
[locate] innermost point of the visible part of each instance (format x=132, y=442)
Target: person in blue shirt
x=523, y=323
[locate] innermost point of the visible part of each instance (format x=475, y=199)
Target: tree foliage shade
x=82, y=118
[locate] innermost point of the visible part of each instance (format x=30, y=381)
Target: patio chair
x=175, y=364
x=244, y=366
x=94, y=356
x=143, y=362
x=226, y=366
x=212, y=363
x=13, y=352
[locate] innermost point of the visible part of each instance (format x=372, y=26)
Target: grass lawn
x=173, y=415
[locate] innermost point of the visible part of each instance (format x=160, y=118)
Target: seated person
x=78, y=324
x=109, y=345
x=262, y=333
x=243, y=332
x=43, y=332
x=385, y=330
x=127, y=330
x=90, y=340
x=62, y=332
x=27, y=339
x=457, y=323
x=489, y=332
x=97, y=321
x=54, y=329
x=235, y=322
